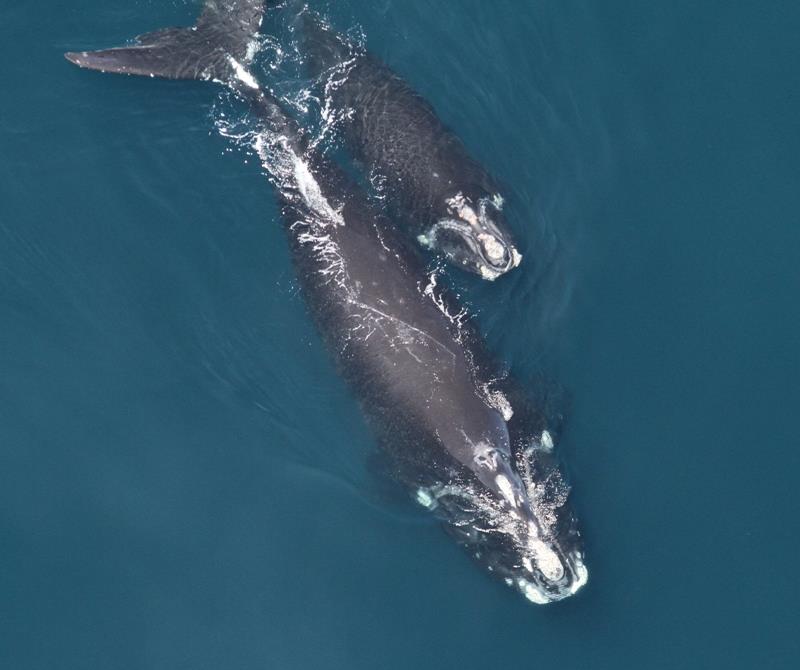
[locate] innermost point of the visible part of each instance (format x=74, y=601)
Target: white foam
x=582, y=576
x=497, y=400
x=242, y=74
x=252, y=50
x=425, y=241
x=312, y=194
x=431, y=292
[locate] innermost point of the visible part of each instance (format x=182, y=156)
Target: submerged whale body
x=398, y=339
x=431, y=181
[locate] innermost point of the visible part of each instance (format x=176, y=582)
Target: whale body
x=397, y=338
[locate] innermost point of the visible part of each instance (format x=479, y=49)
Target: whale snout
x=474, y=237
x=531, y=544
x=475, y=248
x=545, y=568
x=549, y=574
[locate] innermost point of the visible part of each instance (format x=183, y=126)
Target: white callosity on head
x=477, y=224
x=546, y=560
x=484, y=454
x=488, y=237
x=494, y=250
x=460, y=206
x=536, y=594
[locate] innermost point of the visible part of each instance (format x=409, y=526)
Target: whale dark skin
x=393, y=334
x=431, y=182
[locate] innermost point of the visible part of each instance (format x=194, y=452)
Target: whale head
x=512, y=516
x=473, y=237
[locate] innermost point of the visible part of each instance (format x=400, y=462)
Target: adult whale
x=431, y=181
x=394, y=336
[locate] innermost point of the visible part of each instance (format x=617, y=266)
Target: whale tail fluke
x=210, y=50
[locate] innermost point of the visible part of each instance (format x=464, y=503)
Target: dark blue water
x=184, y=481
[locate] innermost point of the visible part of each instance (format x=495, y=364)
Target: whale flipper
x=224, y=31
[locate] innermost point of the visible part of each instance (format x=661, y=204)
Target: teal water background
x=184, y=481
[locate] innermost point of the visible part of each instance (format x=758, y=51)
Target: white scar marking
x=425, y=336
x=459, y=205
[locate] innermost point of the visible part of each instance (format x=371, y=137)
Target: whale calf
x=431, y=182
x=397, y=338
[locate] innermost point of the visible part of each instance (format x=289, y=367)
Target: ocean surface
x=186, y=483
